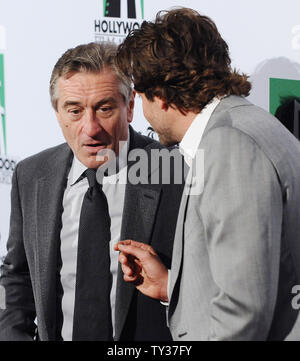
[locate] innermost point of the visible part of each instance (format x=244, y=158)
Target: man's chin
x=91, y=162
x=166, y=141
x=96, y=159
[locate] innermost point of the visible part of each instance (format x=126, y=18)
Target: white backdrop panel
x=264, y=38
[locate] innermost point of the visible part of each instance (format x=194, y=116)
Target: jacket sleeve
x=17, y=318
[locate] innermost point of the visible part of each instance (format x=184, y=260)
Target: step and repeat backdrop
x=264, y=38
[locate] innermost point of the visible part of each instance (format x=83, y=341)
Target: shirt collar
x=190, y=142
x=78, y=168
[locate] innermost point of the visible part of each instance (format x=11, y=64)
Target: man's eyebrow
x=70, y=102
x=109, y=100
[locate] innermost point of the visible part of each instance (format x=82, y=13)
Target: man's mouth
x=94, y=147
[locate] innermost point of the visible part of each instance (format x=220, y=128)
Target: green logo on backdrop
x=3, y=144
x=282, y=89
x=112, y=8
x=285, y=103
x=118, y=21
x=7, y=164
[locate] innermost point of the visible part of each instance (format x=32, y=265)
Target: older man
x=60, y=267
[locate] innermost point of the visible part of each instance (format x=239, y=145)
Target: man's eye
x=74, y=111
x=105, y=109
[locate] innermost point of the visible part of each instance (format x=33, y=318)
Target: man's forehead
x=105, y=75
x=82, y=84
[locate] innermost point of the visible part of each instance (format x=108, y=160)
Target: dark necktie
x=92, y=311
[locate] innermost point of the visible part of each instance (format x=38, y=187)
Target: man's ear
x=163, y=104
x=130, y=107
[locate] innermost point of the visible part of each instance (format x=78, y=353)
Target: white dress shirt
x=190, y=142
x=114, y=189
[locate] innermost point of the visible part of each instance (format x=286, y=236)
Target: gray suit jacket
x=236, y=252
x=31, y=270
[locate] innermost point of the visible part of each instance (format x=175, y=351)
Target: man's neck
x=182, y=124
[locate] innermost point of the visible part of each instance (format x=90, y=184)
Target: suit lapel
x=179, y=237
x=139, y=212
x=140, y=208
x=50, y=190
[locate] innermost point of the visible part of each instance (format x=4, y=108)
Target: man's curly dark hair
x=181, y=58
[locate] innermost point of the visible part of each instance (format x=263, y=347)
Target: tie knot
x=91, y=176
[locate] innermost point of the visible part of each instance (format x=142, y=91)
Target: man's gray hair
x=92, y=58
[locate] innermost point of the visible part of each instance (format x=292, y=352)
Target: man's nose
x=91, y=124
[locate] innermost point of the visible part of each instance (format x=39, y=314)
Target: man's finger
x=125, y=242
x=140, y=253
x=127, y=270
x=129, y=242
x=130, y=265
x=135, y=280
x=123, y=259
x=129, y=260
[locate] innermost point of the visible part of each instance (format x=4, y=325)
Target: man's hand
x=142, y=267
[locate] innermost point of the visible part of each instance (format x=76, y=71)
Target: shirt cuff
x=168, y=290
